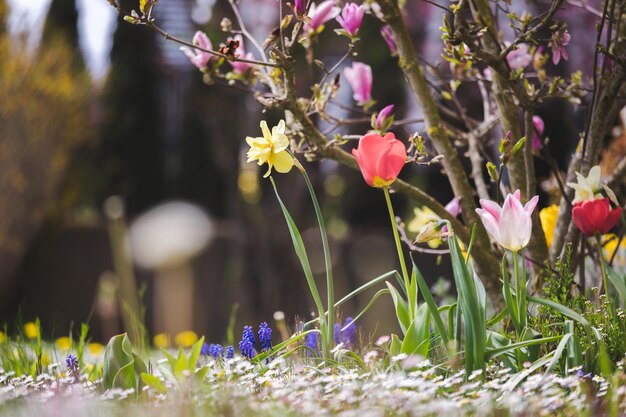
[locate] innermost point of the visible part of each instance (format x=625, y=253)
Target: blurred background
x=106, y=128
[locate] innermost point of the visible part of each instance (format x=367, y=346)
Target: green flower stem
x=330, y=321
x=520, y=291
x=396, y=236
x=605, y=277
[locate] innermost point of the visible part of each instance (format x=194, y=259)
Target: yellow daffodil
x=548, y=217
x=95, y=348
x=63, y=343
x=30, y=330
x=186, y=339
x=3, y=337
x=422, y=218
x=161, y=340
x=271, y=148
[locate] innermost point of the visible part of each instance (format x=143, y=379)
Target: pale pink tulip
x=359, y=77
x=511, y=224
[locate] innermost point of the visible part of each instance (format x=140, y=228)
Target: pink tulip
x=383, y=117
x=321, y=14
x=391, y=41
x=351, y=18
x=238, y=66
x=511, y=224
x=380, y=158
x=519, y=58
x=198, y=57
x=538, y=128
x=558, y=43
x=359, y=77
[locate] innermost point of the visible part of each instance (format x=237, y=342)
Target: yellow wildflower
x=548, y=217
x=271, y=148
x=95, y=348
x=63, y=343
x=30, y=330
x=161, y=340
x=186, y=339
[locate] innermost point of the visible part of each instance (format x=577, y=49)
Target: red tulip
x=595, y=216
x=380, y=158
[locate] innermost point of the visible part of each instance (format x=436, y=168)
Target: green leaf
x=194, y=355
x=200, y=373
x=618, y=283
x=417, y=339
x=119, y=364
x=396, y=345
x=432, y=306
x=492, y=353
x=402, y=312
x=181, y=363
x=566, y=311
x=153, y=382
x=298, y=245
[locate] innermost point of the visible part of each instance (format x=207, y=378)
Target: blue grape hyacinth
x=265, y=336
x=246, y=345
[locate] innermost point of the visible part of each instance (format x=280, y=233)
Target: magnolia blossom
x=587, y=188
x=558, y=43
x=198, y=57
x=359, y=77
x=391, y=41
x=271, y=148
x=538, y=129
x=454, y=207
x=321, y=14
x=299, y=5
x=238, y=66
x=383, y=117
x=380, y=158
x=511, y=224
x=351, y=18
x=519, y=58
x=595, y=216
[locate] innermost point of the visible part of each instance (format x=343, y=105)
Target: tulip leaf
x=153, y=382
x=121, y=366
x=402, y=311
x=417, y=338
x=618, y=283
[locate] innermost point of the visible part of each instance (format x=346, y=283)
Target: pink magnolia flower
x=383, y=116
x=511, y=224
x=238, y=66
x=198, y=57
x=519, y=58
x=388, y=37
x=321, y=14
x=359, y=77
x=538, y=128
x=299, y=5
x=558, y=43
x=351, y=18
x=380, y=158
x=454, y=206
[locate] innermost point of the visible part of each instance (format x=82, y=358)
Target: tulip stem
x=605, y=277
x=396, y=236
x=520, y=291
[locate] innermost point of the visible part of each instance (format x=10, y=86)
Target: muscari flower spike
x=265, y=336
x=230, y=352
x=72, y=363
x=246, y=345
